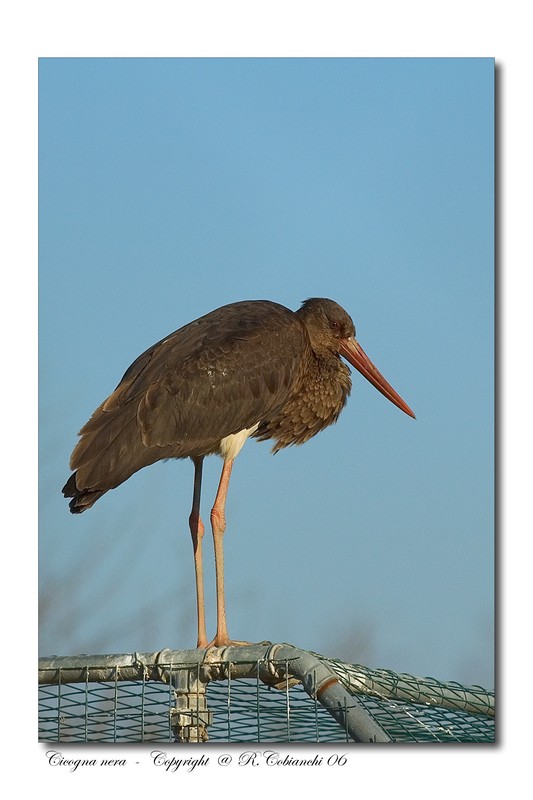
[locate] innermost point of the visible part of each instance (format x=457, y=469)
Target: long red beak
x=354, y=353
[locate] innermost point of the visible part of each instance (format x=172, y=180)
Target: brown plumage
x=252, y=368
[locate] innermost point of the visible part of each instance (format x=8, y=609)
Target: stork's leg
x=218, y=523
x=197, y=532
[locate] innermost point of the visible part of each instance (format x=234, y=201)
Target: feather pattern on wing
x=215, y=376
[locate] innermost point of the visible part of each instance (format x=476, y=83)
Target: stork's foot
x=227, y=642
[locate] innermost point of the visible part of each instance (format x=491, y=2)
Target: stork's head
x=331, y=329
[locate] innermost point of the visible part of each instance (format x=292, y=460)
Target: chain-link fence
x=259, y=693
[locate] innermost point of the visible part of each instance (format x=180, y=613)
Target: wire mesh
x=105, y=712
x=268, y=705
x=243, y=711
x=409, y=722
x=384, y=683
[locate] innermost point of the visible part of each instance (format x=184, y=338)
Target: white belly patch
x=230, y=445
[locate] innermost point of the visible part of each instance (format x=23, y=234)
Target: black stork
x=252, y=368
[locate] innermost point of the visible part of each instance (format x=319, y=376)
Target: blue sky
x=169, y=187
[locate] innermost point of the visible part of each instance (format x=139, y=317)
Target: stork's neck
x=330, y=376
x=315, y=402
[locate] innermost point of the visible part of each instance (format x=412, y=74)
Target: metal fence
x=259, y=693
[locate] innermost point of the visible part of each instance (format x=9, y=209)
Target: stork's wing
x=221, y=373
x=226, y=373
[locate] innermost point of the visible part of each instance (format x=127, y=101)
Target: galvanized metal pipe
x=274, y=665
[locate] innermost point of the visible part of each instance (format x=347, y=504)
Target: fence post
x=190, y=716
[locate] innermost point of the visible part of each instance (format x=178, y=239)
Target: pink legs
x=218, y=524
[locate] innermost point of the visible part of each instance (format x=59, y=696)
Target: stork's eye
x=334, y=325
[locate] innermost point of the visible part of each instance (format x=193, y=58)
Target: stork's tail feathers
x=81, y=499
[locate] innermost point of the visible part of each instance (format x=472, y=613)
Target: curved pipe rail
x=276, y=665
